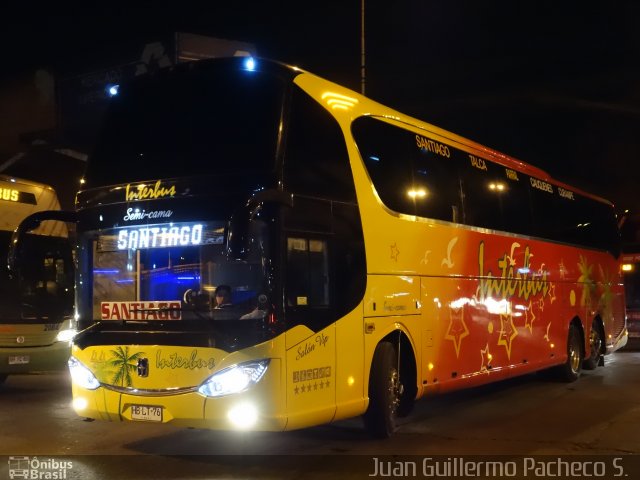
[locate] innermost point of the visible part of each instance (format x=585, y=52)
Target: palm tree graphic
x=588, y=285
x=606, y=299
x=125, y=365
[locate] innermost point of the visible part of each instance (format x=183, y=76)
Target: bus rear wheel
x=385, y=391
x=571, y=369
x=596, y=341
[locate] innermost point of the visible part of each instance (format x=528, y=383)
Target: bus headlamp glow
x=627, y=267
x=234, y=379
x=243, y=416
x=66, y=335
x=81, y=375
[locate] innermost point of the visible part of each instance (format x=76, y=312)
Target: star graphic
x=528, y=322
x=485, y=362
x=507, y=332
x=315, y=386
x=552, y=292
x=296, y=390
x=541, y=304
x=457, y=328
x=327, y=383
x=304, y=388
x=394, y=252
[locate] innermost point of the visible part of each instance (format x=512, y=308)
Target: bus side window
x=386, y=153
x=316, y=162
x=307, y=273
x=409, y=178
x=495, y=197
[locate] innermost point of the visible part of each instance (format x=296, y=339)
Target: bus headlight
x=234, y=379
x=66, y=335
x=81, y=375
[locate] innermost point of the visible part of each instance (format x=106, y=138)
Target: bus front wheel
x=385, y=391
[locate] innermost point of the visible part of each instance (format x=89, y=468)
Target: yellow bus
x=259, y=248
x=36, y=323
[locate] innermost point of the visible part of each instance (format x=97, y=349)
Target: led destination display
x=160, y=236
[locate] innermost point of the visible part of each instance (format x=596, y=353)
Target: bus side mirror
x=239, y=226
x=33, y=221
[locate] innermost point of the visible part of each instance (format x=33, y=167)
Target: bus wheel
x=384, y=392
x=570, y=370
x=595, y=343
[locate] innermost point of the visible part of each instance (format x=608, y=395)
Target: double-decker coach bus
x=260, y=248
x=36, y=308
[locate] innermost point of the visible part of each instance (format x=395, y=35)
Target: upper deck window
x=194, y=121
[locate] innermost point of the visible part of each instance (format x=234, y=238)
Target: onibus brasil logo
x=35, y=468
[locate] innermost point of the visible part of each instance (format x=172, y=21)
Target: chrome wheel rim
x=574, y=357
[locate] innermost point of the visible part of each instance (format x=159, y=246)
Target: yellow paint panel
x=388, y=295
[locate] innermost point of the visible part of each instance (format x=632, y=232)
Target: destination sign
x=14, y=195
x=160, y=236
x=167, y=310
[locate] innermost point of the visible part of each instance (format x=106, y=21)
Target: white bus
x=36, y=307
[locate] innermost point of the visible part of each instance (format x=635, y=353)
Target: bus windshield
x=204, y=119
x=45, y=288
x=177, y=271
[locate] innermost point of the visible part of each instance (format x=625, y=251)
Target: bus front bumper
x=34, y=359
x=255, y=409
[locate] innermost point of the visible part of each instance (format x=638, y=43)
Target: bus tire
x=570, y=370
x=384, y=392
x=596, y=342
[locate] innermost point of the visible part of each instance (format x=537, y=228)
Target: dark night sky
x=554, y=83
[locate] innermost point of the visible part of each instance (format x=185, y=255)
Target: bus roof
x=364, y=106
x=20, y=198
x=21, y=181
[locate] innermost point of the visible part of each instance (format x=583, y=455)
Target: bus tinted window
x=408, y=176
x=568, y=217
x=495, y=197
x=316, y=162
x=201, y=122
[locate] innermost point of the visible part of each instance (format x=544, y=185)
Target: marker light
x=112, y=90
x=234, y=379
x=627, y=267
x=250, y=64
x=79, y=403
x=81, y=375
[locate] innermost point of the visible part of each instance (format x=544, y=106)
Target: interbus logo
x=148, y=192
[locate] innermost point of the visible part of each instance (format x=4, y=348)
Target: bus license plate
x=18, y=359
x=146, y=413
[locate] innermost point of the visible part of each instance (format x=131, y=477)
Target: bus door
x=310, y=339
